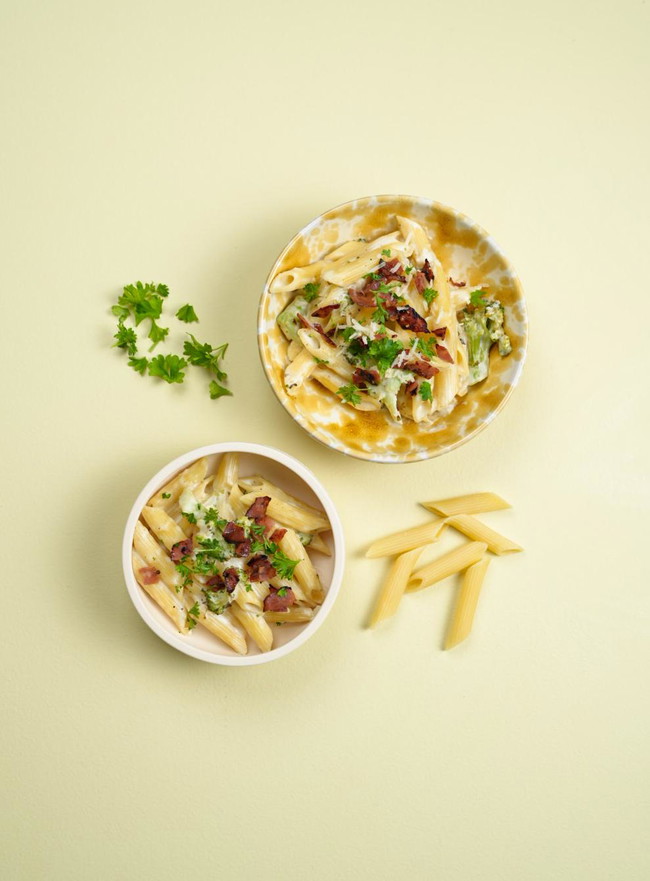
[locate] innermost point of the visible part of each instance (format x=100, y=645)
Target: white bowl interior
x=295, y=479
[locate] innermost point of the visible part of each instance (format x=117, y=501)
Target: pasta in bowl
x=233, y=554
x=392, y=328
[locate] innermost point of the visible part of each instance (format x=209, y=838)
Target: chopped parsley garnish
x=166, y=495
x=126, y=338
x=168, y=367
x=373, y=276
x=187, y=314
x=191, y=518
x=477, y=298
x=409, y=269
x=185, y=572
x=257, y=528
x=204, y=355
x=193, y=616
x=283, y=565
x=141, y=301
x=386, y=252
x=380, y=315
x=218, y=391
x=157, y=334
x=347, y=333
x=350, y=394
x=384, y=351
x=427, y=348
x=320, y=360
x=282, y=592
x=139, y=365
x=211, y=515
x=311, y=291
x=425, y=391
x=429, y=295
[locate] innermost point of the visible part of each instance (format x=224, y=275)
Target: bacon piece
x=267, y=523
x=457, y=284
x=234, y=533
x=276, y=603
x=443, y=354
x=258, y=508
x=421, y=367
x=231, y=578
x=440, y=332
x=325, y=311
x=390, y=305
x=181, y=549
x=149, y=575
x=261, y=568
x=361, y=377
x=420, y=281
x=364, y=297
x=315, y=326
x=411, y=388
x=243, y=548
x=279, y=534
x=409, y=319
x=427, y=271
x=391, y=270
x=215, y=582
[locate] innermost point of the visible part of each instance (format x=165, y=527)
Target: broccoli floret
x=217, y=601
x=388, y=389
x=482, y=327
x=288, y=318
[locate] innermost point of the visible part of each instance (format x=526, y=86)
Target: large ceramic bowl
x=293, y=477
x=466, y=251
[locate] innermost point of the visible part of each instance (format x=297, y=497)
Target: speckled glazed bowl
x=466, y=251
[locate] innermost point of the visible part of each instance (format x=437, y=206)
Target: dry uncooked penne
x=448, y=564
x=474, y=503
x=466, y=601
x=407, y=539
x=474, y=529
x=393, y=587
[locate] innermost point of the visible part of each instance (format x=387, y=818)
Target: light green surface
x=186, y=142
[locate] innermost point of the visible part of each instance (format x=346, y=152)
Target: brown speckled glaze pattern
x=468, y=252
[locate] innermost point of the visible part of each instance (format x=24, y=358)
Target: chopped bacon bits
x=443, y=354
x=279, y=534
x=409, y=319
x=421, y=367
x=258, y=508
x=440, y=332
x=181, y=549
x=234, y=533
x=389, y=303
x=267, y=523
x=149, y=575
x=457, y=284
x=215, y=582
x=420, y=281
x=427, y=271
x=365, y=297
x=315, y=326
x=411, y=388
x=231, y=578
x=361, y=377
x=325, y=311
x=243, y=548
x=391, y=270
x=276, y=602
x=261, y=568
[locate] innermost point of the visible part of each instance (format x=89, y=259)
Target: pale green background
x=186, y=142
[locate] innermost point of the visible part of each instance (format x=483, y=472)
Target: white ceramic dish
x=293, y=477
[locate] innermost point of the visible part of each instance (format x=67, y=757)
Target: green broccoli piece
x=388, y=389
x=288, y=318
x=217, y=601
x=483, y=326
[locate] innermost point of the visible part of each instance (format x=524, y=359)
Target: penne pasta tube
x=293, y=615
x=298, y=371
x=289, y=515
x=164, y=527
x=474, y=503
x=406, y=539
x=465, y=607
x=168, y=600
x=188, y=478
x=332, y=382
x=262, y=487
x=394, y=586
x=477, y=531
x=154, y=555
x=252, y=594
x=227, y=472
x=255, y=624
x=304, y=573
x=319, y=545
x=448, y=564
x=226, y=628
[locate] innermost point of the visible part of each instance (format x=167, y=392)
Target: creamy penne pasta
x=230, y=554
x=381, y=325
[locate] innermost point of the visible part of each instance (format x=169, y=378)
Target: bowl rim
x=380, y=458
x=137, y=594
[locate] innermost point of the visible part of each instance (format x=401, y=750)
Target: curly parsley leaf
x=283, y=565
x=386, y=252
x=193, y=616
x=126, y=338
x=168, y=367
x=143, y=300
x=427, y=348
x=187, y=314
x=477, y=298
x=311, y=291
x=139, y=365
x=384, y=351
x=349, y=393
x=157, y=334
x=425, y=391
x=204, y=355
x=218, y=391
x=429, y=295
